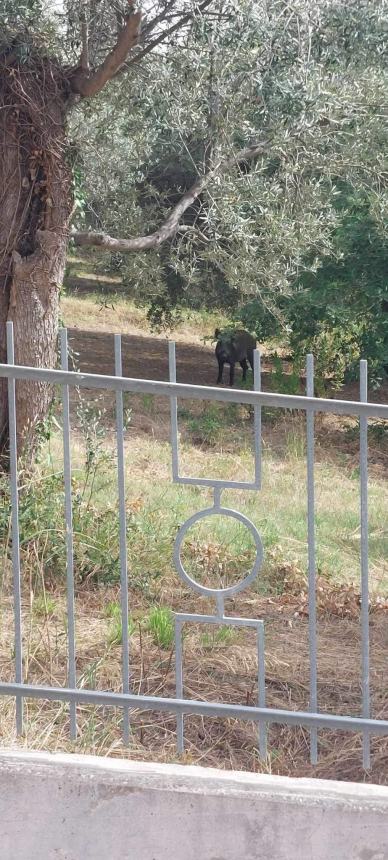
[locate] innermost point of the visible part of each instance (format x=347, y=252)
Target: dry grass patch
x=215, y=669
x=93, y=312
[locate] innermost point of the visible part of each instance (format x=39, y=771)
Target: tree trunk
x=35, y=207
x=34, y=311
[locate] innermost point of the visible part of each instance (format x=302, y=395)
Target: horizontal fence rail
x=195, y=392
x=197, y=708
x=313, y=719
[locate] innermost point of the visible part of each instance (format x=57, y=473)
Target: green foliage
x=44, y=606
x=42, y=516
x=23, y=14
x=29, y=28
x=267, y=241
x=42, y=530
x=340, y=312
x=284, y=383
x=292, y=245
x=160, y=624
x=218, y=638
x=79, y=196
x=206, y=427
x=262, y=319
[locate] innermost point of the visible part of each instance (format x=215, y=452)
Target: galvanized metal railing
x=126, y=700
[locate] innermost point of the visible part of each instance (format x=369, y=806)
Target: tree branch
x=84, y=59
x=172, y=223
x=7, y=59
x=165, y=34
x=88, y=85
x=163, y=15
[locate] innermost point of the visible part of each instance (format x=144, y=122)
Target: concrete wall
x=79, y=808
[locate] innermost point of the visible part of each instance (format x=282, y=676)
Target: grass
x=115, y=630
x=220, y=637
x=160, y=624
x=220, y=664
x=121, y=314
x=96, y=301
x=44, y=605
x=213, y=548
x=218, y=552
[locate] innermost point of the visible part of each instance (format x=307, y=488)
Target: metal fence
x=314, y=719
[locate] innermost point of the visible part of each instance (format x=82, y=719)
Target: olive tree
x=266, y=103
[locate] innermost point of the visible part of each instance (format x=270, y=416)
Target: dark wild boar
x=234, y=347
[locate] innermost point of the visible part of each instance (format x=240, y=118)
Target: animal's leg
x=244, y=365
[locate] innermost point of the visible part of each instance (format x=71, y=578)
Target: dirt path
x=147, y=358
x=143, y=357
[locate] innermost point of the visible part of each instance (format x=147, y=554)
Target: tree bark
x=35, y=208
x=34, y=312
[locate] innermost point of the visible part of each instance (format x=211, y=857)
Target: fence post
x=15, y=528
x=257, y=417
x=69, y=532
x=311, y=556
x=364, y=562
x=123, y=534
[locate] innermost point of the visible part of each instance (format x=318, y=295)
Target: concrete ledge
x=84, y=808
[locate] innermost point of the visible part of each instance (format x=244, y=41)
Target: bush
x=338, y=308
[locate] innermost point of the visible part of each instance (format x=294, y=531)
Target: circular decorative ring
x=232, y=589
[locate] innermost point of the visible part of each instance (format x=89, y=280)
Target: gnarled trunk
x=35, y=207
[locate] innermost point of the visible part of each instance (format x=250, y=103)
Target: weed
x=246, y=384
x=94, y=426
x=148, y=403
x=296, y=444
x=112, y=610
x=160, y=624
x=115, y=630
x=218, y=552
x=284, y=383
x=378, y=430
x=218, y=637
x=207, y=427
x=269, y=415
x=44, y=606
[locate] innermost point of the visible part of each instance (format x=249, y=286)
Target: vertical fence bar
x=173, y=412
x=261, y=688
x=311, y=557
x=364, y=562
x=69, y=533
x=257, y=417
x=179, y=684
x=15, y=529
x=123, y=535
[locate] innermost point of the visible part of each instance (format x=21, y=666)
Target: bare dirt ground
x=144, y=357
